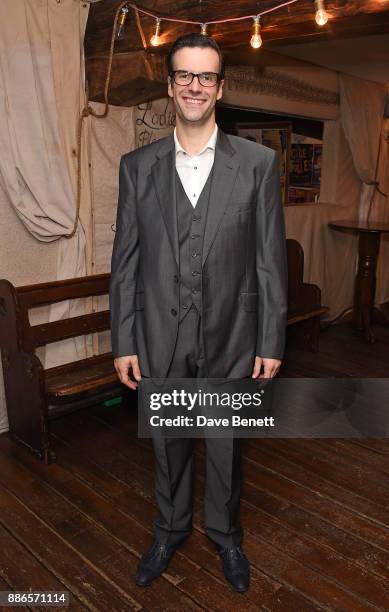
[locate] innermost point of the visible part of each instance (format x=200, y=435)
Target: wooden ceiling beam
x=135, y=77
x=346, y=27
x=136, y=72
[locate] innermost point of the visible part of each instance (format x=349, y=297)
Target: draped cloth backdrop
x=367, y=131
x=41, y=92
x=362, y=109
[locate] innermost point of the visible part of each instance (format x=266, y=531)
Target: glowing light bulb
x=321, y=16
x=155, y=39
x=204, y=29
x=256, y=40
x=122, y=20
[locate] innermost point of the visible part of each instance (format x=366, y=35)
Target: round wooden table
x=365, y=281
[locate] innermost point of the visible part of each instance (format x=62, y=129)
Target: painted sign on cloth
x=153, y=120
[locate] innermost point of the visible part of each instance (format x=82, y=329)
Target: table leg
x=365, y=282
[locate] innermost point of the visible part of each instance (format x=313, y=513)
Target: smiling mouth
x=193, y=101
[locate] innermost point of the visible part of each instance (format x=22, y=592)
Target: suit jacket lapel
x=163, y=174
x=225, y=171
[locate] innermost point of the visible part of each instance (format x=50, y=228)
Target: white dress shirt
x=194, y=170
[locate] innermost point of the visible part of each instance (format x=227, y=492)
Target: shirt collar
x=209, y=145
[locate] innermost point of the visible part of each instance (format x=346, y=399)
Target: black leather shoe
x=236, y=568
x=153, y=563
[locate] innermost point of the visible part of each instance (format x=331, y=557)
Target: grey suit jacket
x=244, y=270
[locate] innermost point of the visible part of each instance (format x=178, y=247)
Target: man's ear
x=169, y=86
x=220, y=89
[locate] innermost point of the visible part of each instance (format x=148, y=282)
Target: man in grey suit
x=198, y=288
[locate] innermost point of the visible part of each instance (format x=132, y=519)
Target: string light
x=256, y=40
x=321, y=16
x=155, y=39
x=122, y=21
x=204, y=29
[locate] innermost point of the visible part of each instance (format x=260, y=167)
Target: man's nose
x=195, y=84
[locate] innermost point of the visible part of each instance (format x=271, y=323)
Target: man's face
x=195, y=103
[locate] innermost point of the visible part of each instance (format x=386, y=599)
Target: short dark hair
x=195, y=40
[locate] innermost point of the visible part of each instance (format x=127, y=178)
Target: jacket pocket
x=237, y=207
x=139, y=300
x=249, y=301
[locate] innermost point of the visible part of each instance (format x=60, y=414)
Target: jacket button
x=174, y=312
x=175, y=278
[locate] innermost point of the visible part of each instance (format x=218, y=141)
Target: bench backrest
x=21, y=299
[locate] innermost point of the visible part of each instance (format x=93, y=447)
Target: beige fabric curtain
x=41, y=89
x=329, y=256
x=361, y=109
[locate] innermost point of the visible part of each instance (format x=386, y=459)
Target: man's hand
x=122, y=365
x=270, y=367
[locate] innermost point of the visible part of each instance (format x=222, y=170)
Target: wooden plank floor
x=315, y=512
x=342, y=352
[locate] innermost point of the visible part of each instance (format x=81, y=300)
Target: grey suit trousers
x=174, y=462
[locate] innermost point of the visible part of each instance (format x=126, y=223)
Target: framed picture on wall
x=277, y=136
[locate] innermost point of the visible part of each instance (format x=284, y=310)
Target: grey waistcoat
x=191, y=225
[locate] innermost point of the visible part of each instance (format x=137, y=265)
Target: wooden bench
x=36, y=395
x=304, y=302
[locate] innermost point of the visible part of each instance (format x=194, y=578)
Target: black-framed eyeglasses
x=206, y=79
